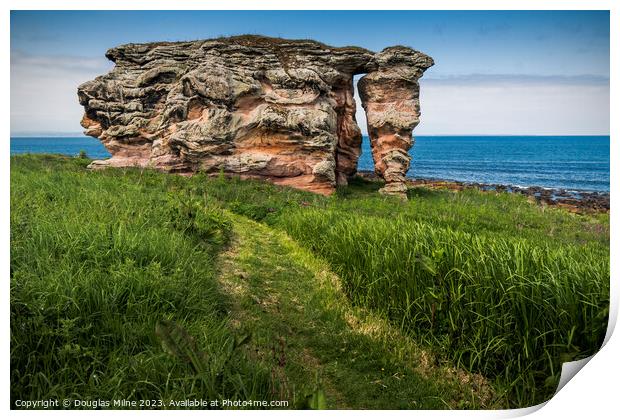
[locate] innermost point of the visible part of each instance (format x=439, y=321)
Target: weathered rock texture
x=268, y=108
x=390, y=97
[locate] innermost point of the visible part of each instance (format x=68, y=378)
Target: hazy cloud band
x=44, y=100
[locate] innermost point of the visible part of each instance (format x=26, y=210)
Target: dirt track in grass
x=311, y=338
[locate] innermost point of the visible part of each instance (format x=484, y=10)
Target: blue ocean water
x=569, y=162
x=60, y=145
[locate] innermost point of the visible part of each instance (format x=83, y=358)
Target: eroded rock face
x=390, y=97
x=258, y=107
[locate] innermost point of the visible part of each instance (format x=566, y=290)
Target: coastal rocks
x=390, y=97
x=577, y=201
x=258, y=107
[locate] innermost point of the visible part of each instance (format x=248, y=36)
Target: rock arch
x=259, y=107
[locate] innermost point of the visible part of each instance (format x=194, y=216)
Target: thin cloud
x=44, y=91
x=41, y=63
x=511, y=104
x=516, y=79
x=44, y=99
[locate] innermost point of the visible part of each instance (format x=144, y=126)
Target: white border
x=593, y=394
x=312, y=5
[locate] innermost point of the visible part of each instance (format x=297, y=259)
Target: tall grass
x=97, y=261
x=499, y=285
x=100, y=259
x=510, y=308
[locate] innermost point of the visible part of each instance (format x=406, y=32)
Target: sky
x=495, y=73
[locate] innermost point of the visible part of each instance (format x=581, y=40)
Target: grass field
x=139, y=285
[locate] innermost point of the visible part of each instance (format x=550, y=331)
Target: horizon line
x=74, y=135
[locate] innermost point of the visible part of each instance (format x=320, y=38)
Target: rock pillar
x=390, y=97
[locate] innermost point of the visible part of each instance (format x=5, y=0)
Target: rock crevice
x=269, y=108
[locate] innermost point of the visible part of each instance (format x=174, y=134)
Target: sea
x=579, y=163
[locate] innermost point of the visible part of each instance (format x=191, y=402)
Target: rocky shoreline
x=577, y=201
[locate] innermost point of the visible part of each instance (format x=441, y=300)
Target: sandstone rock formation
x=270, y=108
x=390, y=97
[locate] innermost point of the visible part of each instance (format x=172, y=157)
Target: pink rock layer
x=390, y=97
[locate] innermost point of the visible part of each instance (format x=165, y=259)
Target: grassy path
x=100, y=259
x=306, y=332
